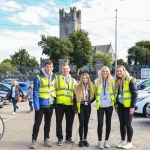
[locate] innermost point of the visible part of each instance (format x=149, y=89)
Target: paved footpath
x=18, y=130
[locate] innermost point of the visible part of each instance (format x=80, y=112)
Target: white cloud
x=10, y=6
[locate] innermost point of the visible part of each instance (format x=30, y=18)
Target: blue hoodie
x=37, y=101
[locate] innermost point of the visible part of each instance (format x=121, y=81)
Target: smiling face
x=85, y=79
x=120, y=72
x=105, y=73
x=65, y=70
x=48, y=69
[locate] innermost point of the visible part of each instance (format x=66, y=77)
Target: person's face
x=105, y=73
x=48, y=69
x=65, y=70
x=120, y=72
x=85, y=79
x=15, y=83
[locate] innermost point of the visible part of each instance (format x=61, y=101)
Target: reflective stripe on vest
x=99, y=93
x=126, y=92
x=46, y=89
x=64, y=92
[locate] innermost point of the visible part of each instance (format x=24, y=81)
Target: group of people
x=68, y=97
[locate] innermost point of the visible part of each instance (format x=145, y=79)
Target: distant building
x=105, y=49
x=69, y=22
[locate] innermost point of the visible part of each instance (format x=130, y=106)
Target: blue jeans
x=14, y=101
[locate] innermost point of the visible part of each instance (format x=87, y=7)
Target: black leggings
x=100, y=115
x=125, y=120
x=84, y=115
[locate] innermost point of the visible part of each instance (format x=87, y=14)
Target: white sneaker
x=100, y=145
x=13, y=113
x=127, y=145
x=106, y=144
x=121, y=144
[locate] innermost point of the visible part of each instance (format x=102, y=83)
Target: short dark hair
x=48, y=62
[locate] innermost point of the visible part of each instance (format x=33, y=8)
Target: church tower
x=69, y=22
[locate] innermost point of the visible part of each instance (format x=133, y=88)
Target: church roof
x=101, y=48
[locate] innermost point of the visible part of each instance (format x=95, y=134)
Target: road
x=18, y=131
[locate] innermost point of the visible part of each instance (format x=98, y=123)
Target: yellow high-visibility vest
x=98, y=92
x=126, y=92
x=64, y=92
x=46, y=89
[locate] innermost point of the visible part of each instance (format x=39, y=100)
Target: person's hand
x=131, y=111
x=116, y=109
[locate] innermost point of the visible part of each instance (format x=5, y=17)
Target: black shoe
x=81, y=144
x=70, y=141
x=86, y=143
x=59, y=142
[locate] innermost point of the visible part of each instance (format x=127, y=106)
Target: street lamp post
x=116, y=43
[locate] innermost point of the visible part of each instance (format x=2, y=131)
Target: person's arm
x=20, y=90
x=134, y=95
x=36, y=93
x=74, y=107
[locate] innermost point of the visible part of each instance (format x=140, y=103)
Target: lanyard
x=104, y=87
x=86, y=92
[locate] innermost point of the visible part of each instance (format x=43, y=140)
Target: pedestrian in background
x=65, y=85
x=30, y=97
x=126, y=97
x=105, y=97
x=43, y=100
x=84, y=96
x=14, y=94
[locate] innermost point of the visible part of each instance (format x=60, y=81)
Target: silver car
x=148, y=110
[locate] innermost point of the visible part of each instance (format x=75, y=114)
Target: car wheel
x=144, y=109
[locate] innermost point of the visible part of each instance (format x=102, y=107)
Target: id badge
x=85, y=103
x=68, y=92
x=119, y=96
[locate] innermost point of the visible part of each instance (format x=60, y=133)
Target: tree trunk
x=78, y=71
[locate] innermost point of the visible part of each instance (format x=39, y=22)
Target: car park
x=9, y=80
x=142, y=102
x=148, y=110
x=143, y=84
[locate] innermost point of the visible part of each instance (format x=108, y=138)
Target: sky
x=22, y=22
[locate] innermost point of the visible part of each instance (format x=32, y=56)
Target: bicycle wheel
x=2, y=128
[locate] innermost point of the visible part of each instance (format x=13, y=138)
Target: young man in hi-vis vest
x=64, y=99
x=43, y=100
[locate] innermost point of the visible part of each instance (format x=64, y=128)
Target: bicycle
x=2, y=127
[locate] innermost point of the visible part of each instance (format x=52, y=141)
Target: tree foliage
x=139, y=54
x=107, y=59
x=120, y=62
x=82, y=51
x=22, y=58
x=55, y=48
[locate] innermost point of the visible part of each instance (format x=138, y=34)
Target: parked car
x=148, y=110
x=1, y=102
x=9, y=80
x=24, y=86
x=3, y=94
x=142, y=102
x=143, y=84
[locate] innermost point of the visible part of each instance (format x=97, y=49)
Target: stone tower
x=69, y=22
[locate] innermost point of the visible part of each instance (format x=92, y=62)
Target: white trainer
x=121, y=144
x=106, y=144
x=127, y=145
x=13, y=113
x=100, y=145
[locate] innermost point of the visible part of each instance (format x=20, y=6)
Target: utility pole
x=115, y=42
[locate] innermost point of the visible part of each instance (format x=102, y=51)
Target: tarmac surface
x=18, y=131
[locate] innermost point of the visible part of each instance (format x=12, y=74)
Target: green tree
x=120, y=62
x=139, y=54
x=107, y=59
x=55, y=48
x=22, y=58
x=82, y=52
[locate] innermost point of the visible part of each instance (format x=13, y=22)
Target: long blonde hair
x=79, y=89
x=109, y=78
x=122, y=80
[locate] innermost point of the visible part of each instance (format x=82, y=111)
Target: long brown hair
x=79, y=89
x=122, y=80
x=109, y=78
